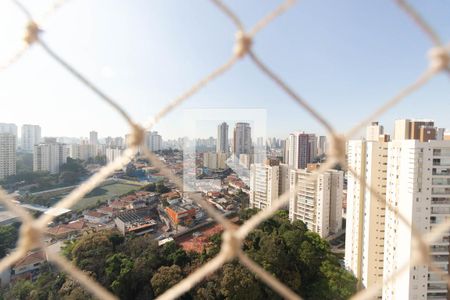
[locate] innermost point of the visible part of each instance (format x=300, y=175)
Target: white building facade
x=317, y=202
x=365, y=217
x=418, y=185
x=30, y=136
x=49, y=157
x=7, y=155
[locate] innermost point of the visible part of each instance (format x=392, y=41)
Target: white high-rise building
x=242, y=139
x=113, y=153
x=153, y=141
x=364, y=237
x=49, y=157
x=222, y=138
x=30, y=136
x=9, y=128
x=418, y=186
x=83, y=151
x=7, y=155
x=265, y=183
x=373, y=131
x=318, y=203
x=93, y=137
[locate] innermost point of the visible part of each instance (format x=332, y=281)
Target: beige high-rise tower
x=364, y=239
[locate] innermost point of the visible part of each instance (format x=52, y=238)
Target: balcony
x=439, y=249
x=440, y=259
x=440, y=210
x=440, y=201
x=440, y=181
x=441, y=161
x=440, y=191
x=445, y=152
x=441, y=172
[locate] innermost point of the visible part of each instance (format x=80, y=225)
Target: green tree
x=119, y=269
x=20, y=290
x=91, y=251
x=165, y=278
x=8, y=238
x=238, y=283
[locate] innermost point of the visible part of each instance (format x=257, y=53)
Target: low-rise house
x=137, y=204
x=108, y=210
x=96, y=217
x=63, y=231
x=28, y=266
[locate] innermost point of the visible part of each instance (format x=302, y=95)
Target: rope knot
x=439, y=58
x=137, y=136
x=30, y=237
x=230, y=244
x=32, y=33
x=243, y=44
x=337, y=150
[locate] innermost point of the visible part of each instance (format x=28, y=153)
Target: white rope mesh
x=32, y=229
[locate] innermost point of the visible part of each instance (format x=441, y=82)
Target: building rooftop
x=31, y=258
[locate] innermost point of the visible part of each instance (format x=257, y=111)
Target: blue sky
x=344, y=57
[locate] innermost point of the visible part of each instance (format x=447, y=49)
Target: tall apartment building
x=406, y=129
x=49, y=157
x=113, y=153
x=321, y=145
x=83, y=151
x=301, y=149
x=242, y=139
x=153, y=141
x=30, y=136
x=365, y=214
x=214, y=160
x=418, y=185
x=9, y=128
x=7, y=155
x=93, y=137
x=318, y=202
x=267, y=183
x=222, y=138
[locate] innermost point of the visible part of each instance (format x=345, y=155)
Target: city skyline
x=352, y=77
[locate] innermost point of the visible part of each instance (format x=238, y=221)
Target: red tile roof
x=31, y=258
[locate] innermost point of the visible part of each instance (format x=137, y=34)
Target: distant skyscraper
x=9, y=128
x=83, y=151
x=318, y=203
x=113, y=153
x=301, y=149
x=7, y=155
x=93, y=138
x=154, y=141
x=321, y=145
x=30, y=136
x=242, y=139
x=222, y=138
x=49, y=157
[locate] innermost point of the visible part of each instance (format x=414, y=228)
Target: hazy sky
x=344, y=57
